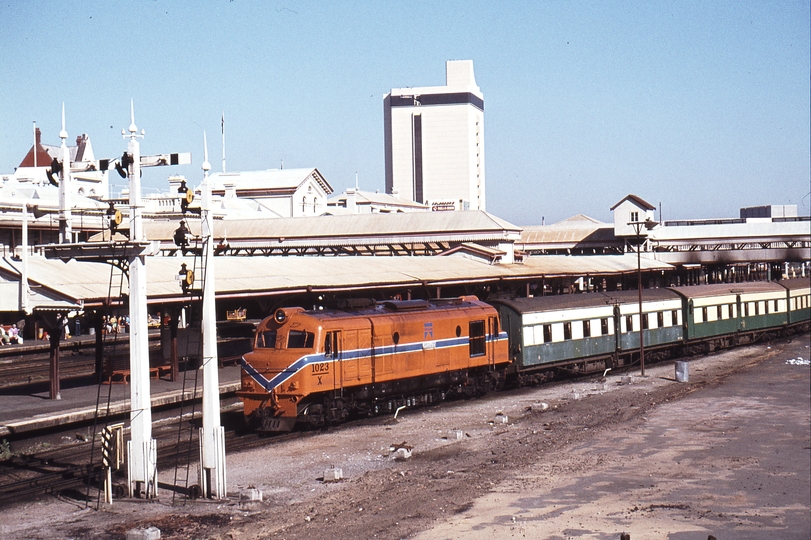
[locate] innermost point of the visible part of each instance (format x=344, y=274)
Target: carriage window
x=660, y=319
x=719, y=312
x=629, y=323
x=757, y=308
x=299, y=339
x=547, y=333
x=645, y=321
x=731, y=311
x=604, y=326
x=266, y=340
x=746, y=309
x=477, y=338
x=567, y=330
x=586, y=329
x=766, y=304
x=704, y=314
x=675, y=316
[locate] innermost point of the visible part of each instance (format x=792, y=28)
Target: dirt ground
x=727, y=454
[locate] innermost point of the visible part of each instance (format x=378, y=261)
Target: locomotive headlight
x=280, y=316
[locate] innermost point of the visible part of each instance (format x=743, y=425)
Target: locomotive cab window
x=300, y=339
x=477, y=338
x=266, y=339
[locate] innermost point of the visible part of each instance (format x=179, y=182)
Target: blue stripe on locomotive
x=304, y=361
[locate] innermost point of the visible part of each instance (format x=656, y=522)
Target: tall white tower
x=435, y=141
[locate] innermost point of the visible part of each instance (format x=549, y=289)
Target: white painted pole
x=223, y=142
x=65, y=233
x=143, y=448
x=212, y=435
x=24, y=288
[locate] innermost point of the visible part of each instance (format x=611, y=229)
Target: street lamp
x=648, y=224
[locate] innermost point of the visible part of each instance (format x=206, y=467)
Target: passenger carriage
x=593, y=329
x=730, y=308
x=798, y=297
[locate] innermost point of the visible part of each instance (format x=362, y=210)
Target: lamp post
x=648, y=224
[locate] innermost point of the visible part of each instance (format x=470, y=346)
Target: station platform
x=29, y=409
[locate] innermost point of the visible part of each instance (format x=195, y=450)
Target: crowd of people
x=11, y=335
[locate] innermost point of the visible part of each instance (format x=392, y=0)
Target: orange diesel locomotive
x=316, y=367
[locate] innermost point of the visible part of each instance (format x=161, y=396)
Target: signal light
x=56, y=168
x=186, y=278
x=114, y=218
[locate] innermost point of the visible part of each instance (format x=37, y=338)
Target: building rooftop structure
x=356, y=201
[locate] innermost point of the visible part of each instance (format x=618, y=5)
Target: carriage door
x=493, y=339
x=333, y=351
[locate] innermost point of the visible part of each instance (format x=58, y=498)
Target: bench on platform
x=117, y=370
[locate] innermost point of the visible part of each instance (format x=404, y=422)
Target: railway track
x=76, y=468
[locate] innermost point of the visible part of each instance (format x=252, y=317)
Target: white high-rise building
x=435, y=141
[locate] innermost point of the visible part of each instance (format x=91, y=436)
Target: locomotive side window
x=477, y=338
x=330, y=344
x=300, y=339
x=266, y=340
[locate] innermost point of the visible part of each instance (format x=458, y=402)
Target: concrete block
x=149, y=533
x=252, y=494
x=627, y=379
x=682, y=371
x=401, y=454
x=501, y=419
x=456, y=435
x=333, y=475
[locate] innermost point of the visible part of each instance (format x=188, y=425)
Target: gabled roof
x=467, y=226
x=477, y=251
x=637, y=201
x=269, y=181
x=578, y=221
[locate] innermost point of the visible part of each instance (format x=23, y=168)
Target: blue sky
x=700, y=106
